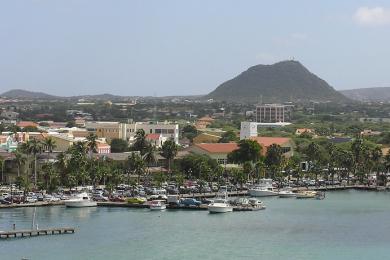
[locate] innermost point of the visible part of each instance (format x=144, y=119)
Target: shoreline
x=195, y=195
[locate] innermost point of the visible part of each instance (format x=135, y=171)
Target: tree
x=376, y=155
x=136, y=165
x=19, y=159
x=228, y=136
x=2, y=163
x=70, y=124
x=248, y=150
x=50, y=176
x=91, y=144
x=313, y=154
x=168, y=151
x=190, y=131
x=34, y=147
x=150, y=156
x=140, y=142
x=49, y=144
x=119, y=145
x=273, y=159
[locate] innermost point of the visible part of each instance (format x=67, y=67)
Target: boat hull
x=262, y=193
x=162, y=207
x=287, y=195
x=80, y=204
x=217, y=209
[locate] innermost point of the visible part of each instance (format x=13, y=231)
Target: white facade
x=127, y=132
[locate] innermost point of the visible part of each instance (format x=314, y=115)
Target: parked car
x=190, y=202
x=99, y=197
x=136, y=200
x=117, y=199
x=31, y=199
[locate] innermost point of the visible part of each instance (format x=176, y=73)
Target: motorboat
x=220, y=205
x=306, y=195
x=256, y=203
x=157, y=205
x=263, y=189
x=287, y=193
x=80, y=200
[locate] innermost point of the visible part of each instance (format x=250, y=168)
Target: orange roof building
x=217, y=151
x=265, y=142
x=24, y=124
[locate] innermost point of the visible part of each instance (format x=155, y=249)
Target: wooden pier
x=36, y=232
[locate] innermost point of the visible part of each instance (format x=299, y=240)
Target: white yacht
x=287, y=193
x=157, y=205
x=263, y=189
x=220, y=206
x=80, y=200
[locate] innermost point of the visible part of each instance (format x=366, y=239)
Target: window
x=158, y=131
x=151, y=131
x=222, y=161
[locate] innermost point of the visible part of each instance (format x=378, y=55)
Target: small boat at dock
x=263, y=189
x=220, y=205
x=80, y=201
x=306, y=194
x=287, y=193
x=157, y=205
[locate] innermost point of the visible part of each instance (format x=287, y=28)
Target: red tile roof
x=218, y=147
x=268, y=141
x=26, y=123
x=153, y=136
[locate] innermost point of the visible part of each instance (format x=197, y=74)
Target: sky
x=183, y=47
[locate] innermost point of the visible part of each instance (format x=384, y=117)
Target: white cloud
x=375, y=16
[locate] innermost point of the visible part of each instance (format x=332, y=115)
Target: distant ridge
x=25, y=94
x=281, y=82
x=379, y=94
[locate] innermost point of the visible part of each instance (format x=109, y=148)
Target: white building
x=111, y=130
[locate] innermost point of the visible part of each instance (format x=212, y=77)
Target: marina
x=287, y=229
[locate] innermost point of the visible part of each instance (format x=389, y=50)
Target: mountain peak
x=280, y=82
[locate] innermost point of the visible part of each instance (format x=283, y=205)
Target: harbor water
x=345, y=225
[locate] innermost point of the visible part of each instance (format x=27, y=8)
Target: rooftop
x=218, y=147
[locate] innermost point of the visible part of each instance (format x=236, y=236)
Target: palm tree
x=62, y=164
x=2, y=162
x=49, y=175
x=376, y=155
x=140, y=143
x=19, y=159
x=34, y=147
x=273, y=159
x=91, y=144
x=136, y=165
x=150, y=156
x=168, y=151
x=313, y=154
x=49, y=144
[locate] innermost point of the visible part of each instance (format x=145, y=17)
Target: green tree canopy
x=248, y=150
x=119, y=145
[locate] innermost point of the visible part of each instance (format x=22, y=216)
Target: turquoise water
x=346, y=225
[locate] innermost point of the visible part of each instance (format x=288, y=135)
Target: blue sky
x=144, y=47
